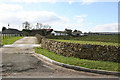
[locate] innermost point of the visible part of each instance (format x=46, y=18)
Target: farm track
x=20, y=63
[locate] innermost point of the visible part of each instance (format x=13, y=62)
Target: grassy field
x=10, y=40
x=88, y=42
x=98, y=38
x=100, y=65
x=90, y=39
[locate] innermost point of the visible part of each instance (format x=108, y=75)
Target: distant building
x=77, y=34
x=33, y=32
x=12, y=31
x=65, y=33
x=60, y=33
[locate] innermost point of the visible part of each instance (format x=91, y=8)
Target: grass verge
x=10, y=40
x=100, y=65
x=88, y=42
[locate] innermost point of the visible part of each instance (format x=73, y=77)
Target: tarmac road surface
x=18, y=61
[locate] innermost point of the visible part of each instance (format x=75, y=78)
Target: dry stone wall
x=82, y=51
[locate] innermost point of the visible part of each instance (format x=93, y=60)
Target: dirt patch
x=22, y=63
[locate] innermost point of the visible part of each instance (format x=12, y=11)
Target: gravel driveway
x=19, y=61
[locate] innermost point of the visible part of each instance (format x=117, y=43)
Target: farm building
x=76, y=33
x=65, y=33
x=60, y=33
x=12, y=31
x=33, y=32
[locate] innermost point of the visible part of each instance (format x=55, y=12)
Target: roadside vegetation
x=10, y=40
x=111, y=40
x=100, y=65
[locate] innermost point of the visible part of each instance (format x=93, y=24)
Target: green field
x=101, y=38
x=90, y=39
x=10, y=40
x=100, y=65
x=88, y=42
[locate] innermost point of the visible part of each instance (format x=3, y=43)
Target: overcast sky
x=84, y=15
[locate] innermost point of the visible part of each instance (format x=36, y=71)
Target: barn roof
x=60, y=31
x=12, y=31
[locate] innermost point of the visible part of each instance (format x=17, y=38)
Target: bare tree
x=47, y=26
x=26, y=25
x=39, y=26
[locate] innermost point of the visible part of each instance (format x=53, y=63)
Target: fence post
x=2, y=36
x=5, y=36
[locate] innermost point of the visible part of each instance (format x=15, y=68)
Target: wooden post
x=5, y=36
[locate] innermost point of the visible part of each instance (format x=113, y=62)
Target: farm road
x=18, y=61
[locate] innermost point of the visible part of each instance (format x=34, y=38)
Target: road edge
x=77, y=67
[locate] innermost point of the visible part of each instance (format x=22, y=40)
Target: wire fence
x=6, y=36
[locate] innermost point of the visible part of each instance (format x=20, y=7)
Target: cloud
x=88, y=2
x=32, y=17
x=8, y=14
x=79, y=26
x=10, y=7
x=15, y=15
x=33, y=1
x=73, y=26
x=80, y=20
x=112, y=27
x=81, y=16
x=54, y=1
x=70, y=2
